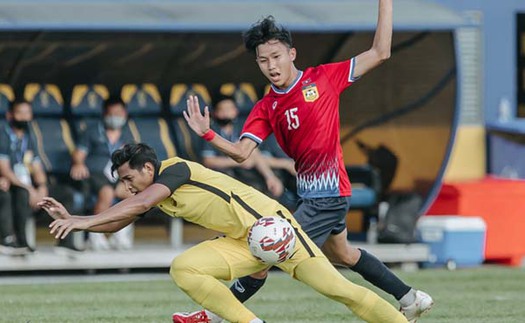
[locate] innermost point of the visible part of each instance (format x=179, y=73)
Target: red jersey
x=305, y=120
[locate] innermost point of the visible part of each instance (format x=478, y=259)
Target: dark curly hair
x=137, y=155
x=263, y=31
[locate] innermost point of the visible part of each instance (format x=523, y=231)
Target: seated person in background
x=284, y=167
x=8, y=243
x=255, y=169
x=91, y=162
x=27, y=180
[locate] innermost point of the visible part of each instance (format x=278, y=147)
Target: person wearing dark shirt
x=91, y=162
x=21, y=167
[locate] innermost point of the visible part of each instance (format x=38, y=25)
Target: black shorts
x=321, y=217
x=97, y=181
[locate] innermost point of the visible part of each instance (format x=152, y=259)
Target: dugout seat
x=189, y=144
x=145, y=122
x=244, y=94
x=6, y=96
x=87, y=101
x=180, y=92
x=46, y=100
x=51, y=130
x=366, y=191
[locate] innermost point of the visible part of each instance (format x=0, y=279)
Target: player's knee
x=349, y=256
x=261, y=274
x=180, y=271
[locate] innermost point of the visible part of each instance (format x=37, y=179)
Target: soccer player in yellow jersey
x=213, y=200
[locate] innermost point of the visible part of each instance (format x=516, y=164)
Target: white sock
x=409, y=298
x=256, y=320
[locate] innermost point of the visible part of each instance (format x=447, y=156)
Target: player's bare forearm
x=131, y=207
x=123, y=212
x=111, y=227
x=381, y=46
x=239, y=151
x=219, y=162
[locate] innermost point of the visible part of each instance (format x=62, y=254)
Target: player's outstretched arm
x=380, y=50
x=114, y=218
x=200, y=123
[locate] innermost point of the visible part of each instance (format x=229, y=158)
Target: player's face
x=135, y=180
x=275, y=60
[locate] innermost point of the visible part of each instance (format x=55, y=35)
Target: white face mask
x=114, y=122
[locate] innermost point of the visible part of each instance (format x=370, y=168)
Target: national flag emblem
x=310, y=92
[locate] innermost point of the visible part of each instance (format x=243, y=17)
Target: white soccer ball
x=271, y=240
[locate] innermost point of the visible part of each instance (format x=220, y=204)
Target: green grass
x=488, y=294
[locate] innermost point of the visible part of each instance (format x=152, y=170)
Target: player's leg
x=310, y=266
x=319, y=274
x=317, y=228
x=338, y=250
x=197, y=270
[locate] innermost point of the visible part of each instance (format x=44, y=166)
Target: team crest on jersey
x=310, y=92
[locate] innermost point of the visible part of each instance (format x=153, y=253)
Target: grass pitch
x=487, y=294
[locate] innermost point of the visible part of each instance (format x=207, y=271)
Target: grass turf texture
x=488, y=294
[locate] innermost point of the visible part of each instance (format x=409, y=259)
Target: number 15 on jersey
x=292, y=118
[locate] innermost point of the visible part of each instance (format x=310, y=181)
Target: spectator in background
x=8, y=243
x=284, y=167
x=254, y=171
x=91, y=162
x=25, y=180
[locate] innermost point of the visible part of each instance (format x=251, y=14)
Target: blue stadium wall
x=499, y=49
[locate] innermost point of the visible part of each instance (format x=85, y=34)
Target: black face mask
x=21, y=125
x=223, y=122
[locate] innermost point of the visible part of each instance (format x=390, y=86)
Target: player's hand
x=54, y=208
x=290, y=167
x=274, y=186
x=79, y=172
x=4, y=184
x=62, y=227
x=196, y=120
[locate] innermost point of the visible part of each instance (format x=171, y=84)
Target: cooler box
x=453, y=240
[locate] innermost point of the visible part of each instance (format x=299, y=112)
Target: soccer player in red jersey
x=302, y=110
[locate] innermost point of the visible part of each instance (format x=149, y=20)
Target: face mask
x=223, y=122
x=21, y=125
x=114, y=122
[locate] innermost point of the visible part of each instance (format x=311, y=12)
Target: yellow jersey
x=212, y=199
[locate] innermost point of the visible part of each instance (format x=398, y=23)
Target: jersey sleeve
x=174, y=176
x=340, y=74
x=257, y=126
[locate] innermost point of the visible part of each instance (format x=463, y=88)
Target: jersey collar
x=288, y=89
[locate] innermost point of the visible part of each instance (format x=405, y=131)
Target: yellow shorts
x=232, y=258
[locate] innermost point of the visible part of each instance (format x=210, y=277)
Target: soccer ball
x=271, y=240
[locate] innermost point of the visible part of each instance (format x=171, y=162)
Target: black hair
x=263, y=31
x=111, y=101
x=13, y=104
x=221, y=97
x=136, y=154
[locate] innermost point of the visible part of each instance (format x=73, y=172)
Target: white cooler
x=454, y=241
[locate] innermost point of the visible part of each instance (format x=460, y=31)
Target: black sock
x=245, y=287
x=379, y=275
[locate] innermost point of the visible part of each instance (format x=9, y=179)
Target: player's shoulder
x=173, y=162
x=265, y=101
